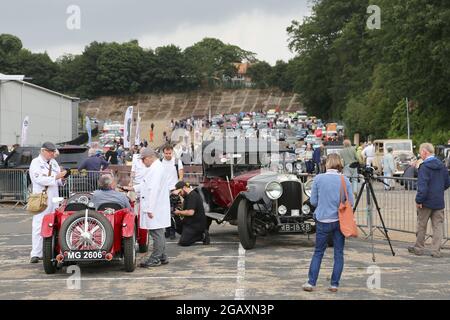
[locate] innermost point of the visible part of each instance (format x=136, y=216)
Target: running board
x=215, y=216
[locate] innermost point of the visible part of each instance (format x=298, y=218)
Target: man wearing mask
x=45, y=175
x=174, y=168
x=193, y=224
x=155, y=206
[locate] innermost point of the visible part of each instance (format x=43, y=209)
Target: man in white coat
x=389, y=169
x=369, y=154
x=41, y=178
x=155, y=206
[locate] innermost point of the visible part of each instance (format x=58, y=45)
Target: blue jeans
x=322, y=232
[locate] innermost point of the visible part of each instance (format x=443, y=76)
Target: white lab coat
x=369, y=154
x=40, y=179
x=154, y=193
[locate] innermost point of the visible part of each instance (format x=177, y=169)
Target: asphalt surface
x=275, y=269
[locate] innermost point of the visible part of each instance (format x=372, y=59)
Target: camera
x=363, y=169
x=68, y=173
x=175, y=202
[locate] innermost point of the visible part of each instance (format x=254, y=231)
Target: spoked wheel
x=129, y=253
x=246, y=224
x=93, y=232
x=49, y=254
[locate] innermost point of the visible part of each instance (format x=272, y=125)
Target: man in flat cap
x=45, y=174
x=155, y=206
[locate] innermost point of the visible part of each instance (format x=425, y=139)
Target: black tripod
x=371, y=194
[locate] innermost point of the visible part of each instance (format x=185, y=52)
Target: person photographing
x=193, y=219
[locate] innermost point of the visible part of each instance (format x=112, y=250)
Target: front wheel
x=246, y=225
x=49, y=254
x=129, y=253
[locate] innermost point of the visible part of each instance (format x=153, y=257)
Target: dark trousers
x=189, y=235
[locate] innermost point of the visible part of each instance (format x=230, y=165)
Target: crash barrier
x=81, y=181
x=13, y=185
x=396, y=200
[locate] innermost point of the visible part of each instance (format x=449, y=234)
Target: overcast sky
x=254, y=25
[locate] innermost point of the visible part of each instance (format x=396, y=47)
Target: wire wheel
x=96, y=234
x=91, y=238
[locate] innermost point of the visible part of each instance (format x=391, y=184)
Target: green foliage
x=346, y=71
x=125, y=68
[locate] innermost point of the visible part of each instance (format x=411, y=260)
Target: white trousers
x=36, y=239
x=369, y=161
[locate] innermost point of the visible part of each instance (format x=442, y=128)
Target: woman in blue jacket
x=325, y=196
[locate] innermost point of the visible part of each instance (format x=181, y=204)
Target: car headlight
x=306, y=209
x=282, y=210
x=274, y=190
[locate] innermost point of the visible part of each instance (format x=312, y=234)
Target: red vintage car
x=248, y=193
x=76, y=233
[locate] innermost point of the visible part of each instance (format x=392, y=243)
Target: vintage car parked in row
x=260, y=197
x=77, y=233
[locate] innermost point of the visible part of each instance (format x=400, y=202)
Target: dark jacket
x=432, y=182
x=317, y=156
x=94, y=163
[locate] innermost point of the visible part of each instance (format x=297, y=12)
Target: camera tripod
x=371, y=195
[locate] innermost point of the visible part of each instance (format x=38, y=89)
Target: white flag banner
x=137, y=137
x=25, y=125
x=89, y=130
x=128, y=123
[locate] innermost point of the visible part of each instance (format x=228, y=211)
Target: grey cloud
x=42, y=23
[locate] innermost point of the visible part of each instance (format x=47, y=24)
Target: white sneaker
x=307, y=287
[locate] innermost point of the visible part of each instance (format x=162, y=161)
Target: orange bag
x=347, y=221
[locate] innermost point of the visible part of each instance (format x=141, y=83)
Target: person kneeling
x=193, y=219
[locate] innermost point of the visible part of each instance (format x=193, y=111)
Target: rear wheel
x=246, y=224
x=129, y=253
x=48, y=257
x=98, y=235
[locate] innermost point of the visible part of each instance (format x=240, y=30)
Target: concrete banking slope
x=161, y=108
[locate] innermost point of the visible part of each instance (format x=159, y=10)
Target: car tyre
x=129, y=253
x=48, y=250
x=109, y=232
x=245, y=225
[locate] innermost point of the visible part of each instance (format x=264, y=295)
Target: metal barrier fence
x=397, y=206
x=13, y=185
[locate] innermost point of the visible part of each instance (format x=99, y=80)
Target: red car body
x=124, y=222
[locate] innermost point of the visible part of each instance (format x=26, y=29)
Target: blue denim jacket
x=325, y=195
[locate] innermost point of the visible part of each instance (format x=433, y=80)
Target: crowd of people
x=157, y=177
